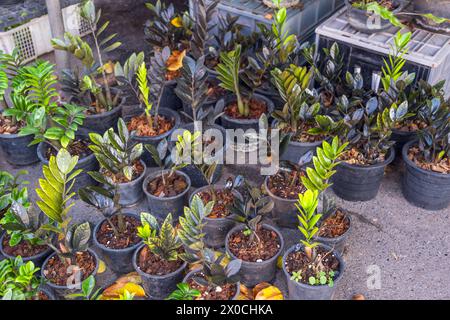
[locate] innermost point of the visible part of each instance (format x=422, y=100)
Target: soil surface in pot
x=152, y=264
x=106, y=236
x=23, y=249
x=225, y=292
x=215, y=92
x=171, y=186
x=264, y=246
x=56, y=270
x=298, y=261
x=138, y=170
x=302, y=135
x=410, y=125
x=287, y=184
x=8, y=127
x=140, y=125
x=389, y=4
x=93, y=110
x=42, y=296
x=335, y=225
x=257, y=108
x=78, y=147
x=356, y=157
x=416, y=156
x=223, y=199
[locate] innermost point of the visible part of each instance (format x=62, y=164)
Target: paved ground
x=407, y=246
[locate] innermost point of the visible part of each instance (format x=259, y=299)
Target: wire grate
x=23, y=41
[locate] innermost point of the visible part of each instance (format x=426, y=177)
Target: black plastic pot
x=158, y=287
x=100, y=123
x=119, y=260
x=216, y=230
x=253, y=273
x=301, y=291
x=284, y=212
x=62, y=291
x=245, y=124
x=16, y=149
x=361, y=21
x=86, y=164
x=440, y=8
x=193, y=272
x=161, y=207
x=38, y=259
x=131, y=192
x=169, y=99
x=360, y=183
x=338, y=243
x=48, y=293
x=146, y=156
x=423, y=188
x=401, y=138
x=296, y=150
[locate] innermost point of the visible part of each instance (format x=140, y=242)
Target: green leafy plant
x=104, y=98
x=161, y=240
x=184, y=292
x=18, y=280
x=12, y=189
x=87, y=290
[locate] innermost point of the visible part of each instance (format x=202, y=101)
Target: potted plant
x=16, y=147
x=158, y=261
x=281, y=3
x=257, y=244
x=120, y=165
x=166, y=189
x=312, y=269
x=19, y=281
x=426, y=178
x=215, y=278
x=439, y=8
x=243, y=108
x=153, y=124
x=116, y=234
x=218, y=222
x=302, y=115
x=184, y=292
x=11, y=189
x=72, y=257
x=92, y=87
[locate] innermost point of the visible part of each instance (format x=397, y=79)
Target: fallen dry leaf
x=262, y=291
x=269, y=293
x=101, y=267
x=118, y=289
x=175, y=61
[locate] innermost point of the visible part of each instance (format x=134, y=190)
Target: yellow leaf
x=175, y=61
x=101, y=267
x=118, y=289
x=245, y=293
x=109, y=67
x=177, y=22
x=270, y=293
x=259, y=287
x=280, y=262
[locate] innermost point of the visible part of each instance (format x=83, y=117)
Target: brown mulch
x=257, y=108
x=224, y=199
x=7, y=127
x=174, y=185
x=416, y=156
x=335, y=225
x=140, y=125
x=78, y=148
x=106, y=236
x=224, y=292
x=410, y=126
x=354, y=156
x=23, y=249
x=154, y=265
x=118, y=178
x=56, y=270
x=302, y=134
x=265, y=246
x=287, y=184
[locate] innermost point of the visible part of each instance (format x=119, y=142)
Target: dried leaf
x=101, y=267
x=118, y=289
x=175, y=61
x=269, y=293
x=177, y=22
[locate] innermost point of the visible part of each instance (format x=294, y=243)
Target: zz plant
x=19, y=280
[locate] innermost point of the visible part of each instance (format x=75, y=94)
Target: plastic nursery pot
x=401, y=138
x=284, y=212
x=197, y=178
x=146, y=156
x=193, y=272
x=360, y=183
x=16, y=149
x=119, y=260
x=245, y=124
x=216, y=230
x=162, y=206
x=338, y=243
x=440, y=8
x=158, y=287
x=48, y=293
x=423, y=188
x=361, y=21
x=38, y=259
x=131, y=192
x=62, y=291
x=302, y=291
x=169, y=99
x=101, y=122
x=87, y=164
x=253, y=273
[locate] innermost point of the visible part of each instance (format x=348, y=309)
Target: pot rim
x=25, y=259
x=55, y=286
x=302, y=144
x=412, y=164
x=269, y=103
x=265, y=226
x=266, y=186
x=105, y=248
x=342, y=236
x=135, y=181
x=44, y=160
x=401, y=5
x=297, y=247
x=158, y=172
x=385, y=163
x=142, y=273
x=105, y=114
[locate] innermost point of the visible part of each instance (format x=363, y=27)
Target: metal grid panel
x=23, y=41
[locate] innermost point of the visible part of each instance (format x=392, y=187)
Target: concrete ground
x=405, y=249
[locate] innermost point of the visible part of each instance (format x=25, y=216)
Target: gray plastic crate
x=428, y=56
x=300, y=21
